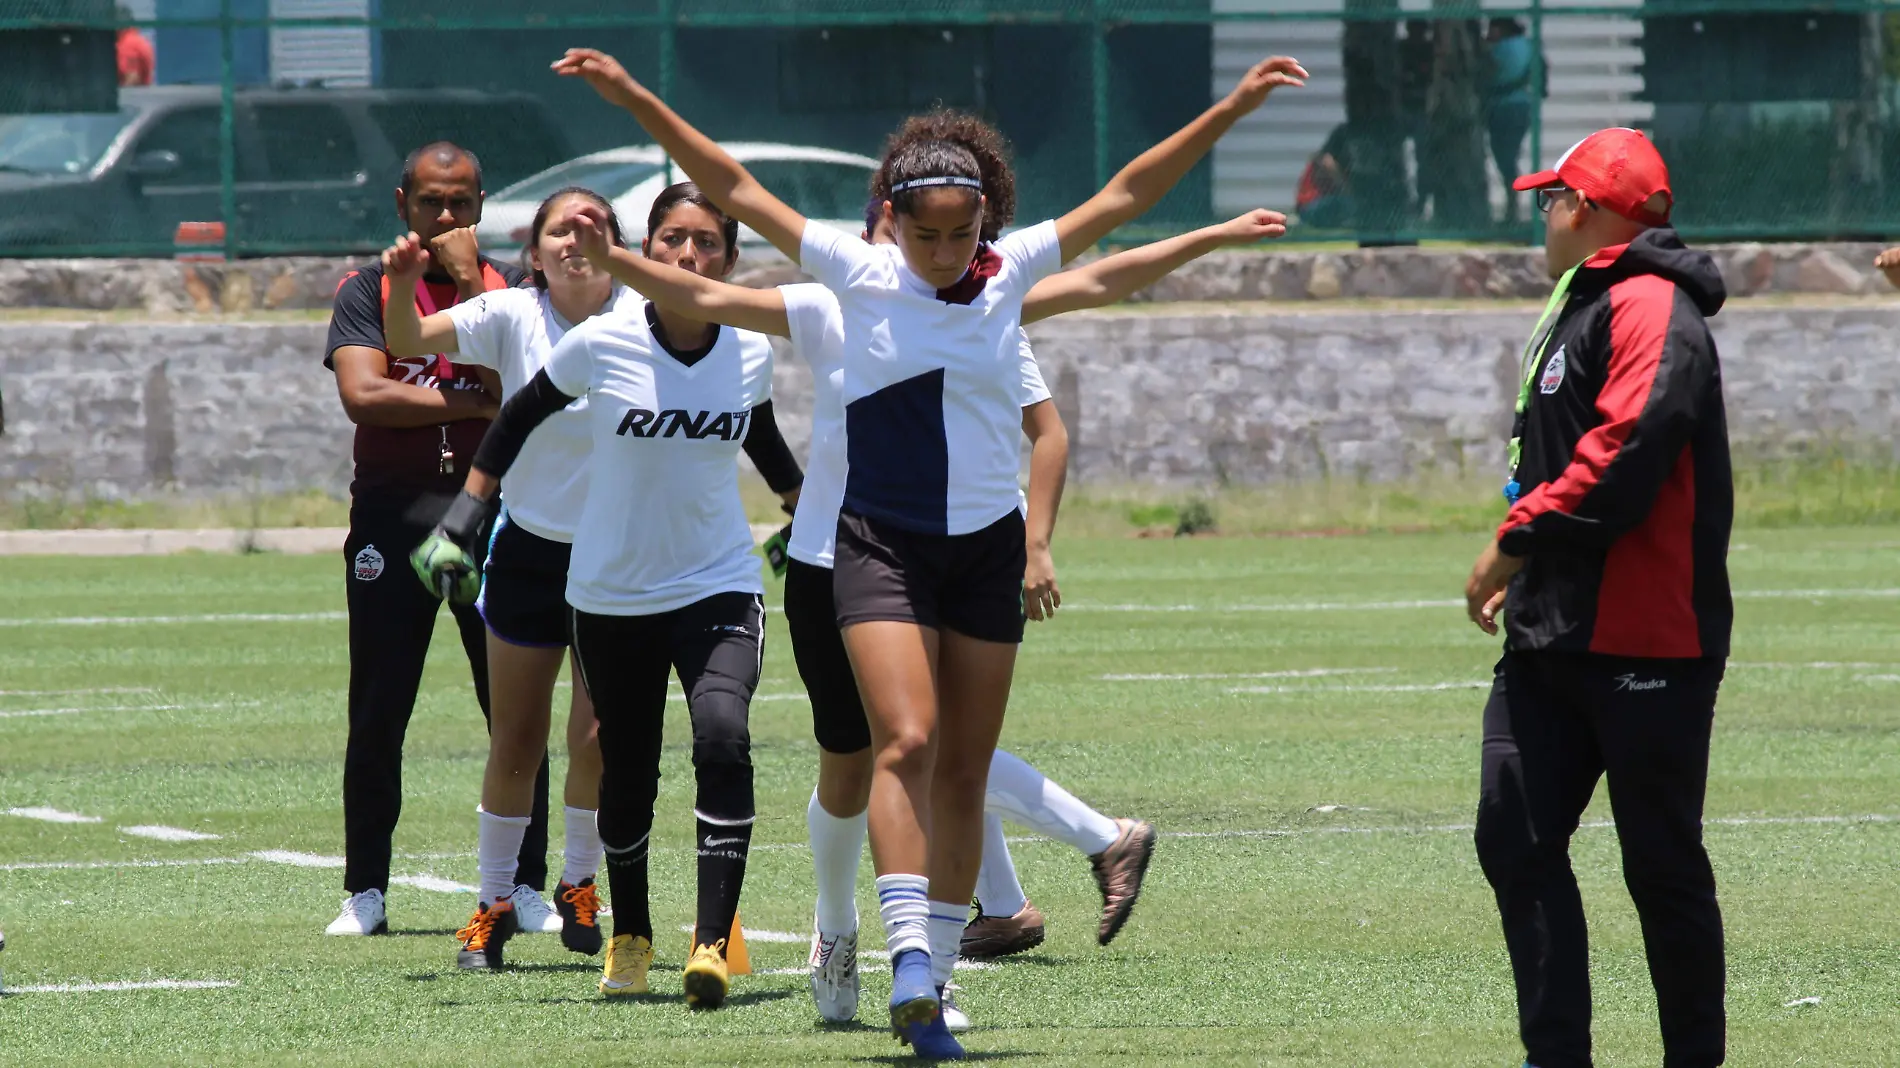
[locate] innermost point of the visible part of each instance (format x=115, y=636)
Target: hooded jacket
x=1627, y=494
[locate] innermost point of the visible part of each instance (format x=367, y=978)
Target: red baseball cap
x=1617, y=168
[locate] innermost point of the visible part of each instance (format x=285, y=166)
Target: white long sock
x=836, y=845
x=581, y=850
x=1021, y=794
x=947, y=919
x=497, y=853
x=904, y=903
x=997, y=888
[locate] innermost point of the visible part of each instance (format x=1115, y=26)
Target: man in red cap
x=1612, y=579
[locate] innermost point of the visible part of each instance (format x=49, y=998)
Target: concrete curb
x=296, y=540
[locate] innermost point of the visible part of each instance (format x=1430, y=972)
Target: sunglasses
x=1547, y=197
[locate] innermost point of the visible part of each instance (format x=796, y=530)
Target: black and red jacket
x=1624, y=519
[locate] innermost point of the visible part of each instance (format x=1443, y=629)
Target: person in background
x=1324, y=199
x=1507, y=101
x=137, y=60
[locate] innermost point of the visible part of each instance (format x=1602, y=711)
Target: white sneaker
x=955, y=1020
x=362, y=915
x=533, y=913
x=834, y=975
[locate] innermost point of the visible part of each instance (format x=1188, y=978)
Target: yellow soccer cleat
x=628, y=958
x=706, y=976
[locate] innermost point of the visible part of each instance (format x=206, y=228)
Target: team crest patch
x=1553, y=374
x=369, y=564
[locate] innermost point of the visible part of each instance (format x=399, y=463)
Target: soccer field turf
x=1298, y=717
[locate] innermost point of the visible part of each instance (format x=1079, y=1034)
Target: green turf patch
x=1298, y=716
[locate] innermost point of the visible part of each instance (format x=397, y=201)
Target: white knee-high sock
x=997, y=888
x=1021, y=794
x=497, y=852
x=947, y=919
x=580, y=853
x=836, y=845
x=904, y=903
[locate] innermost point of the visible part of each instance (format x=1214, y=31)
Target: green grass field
x=1316, y=901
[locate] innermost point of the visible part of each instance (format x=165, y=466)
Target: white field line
x=297, y=860
x=50, y=815
x=168, y=834
x=66, y=693
x=1287, y=606
x=114, y=865
x=962, y=965
x=435, y=883
x=1431, y=687
x=94, y=988
x=1299, y=673
x=215, y=617
x=309, y=860
x=788, y=937
x=16, y=713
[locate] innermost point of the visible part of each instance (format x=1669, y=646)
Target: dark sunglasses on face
x=1547, y=197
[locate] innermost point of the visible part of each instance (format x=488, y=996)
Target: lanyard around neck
x=1534, y=355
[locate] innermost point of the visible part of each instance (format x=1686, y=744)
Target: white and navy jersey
x=663, y=525
x=931, y=386
x=513, y=331
x=818, y=339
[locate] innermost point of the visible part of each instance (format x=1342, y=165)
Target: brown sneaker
x=1118, y=873
x=989, y=937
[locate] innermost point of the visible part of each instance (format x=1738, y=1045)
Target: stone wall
x=1189, y=394
x=164, y=286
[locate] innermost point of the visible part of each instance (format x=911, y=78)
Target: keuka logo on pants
x=368, y=566
x=644, y=423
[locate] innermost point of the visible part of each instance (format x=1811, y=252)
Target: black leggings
x=715, y=645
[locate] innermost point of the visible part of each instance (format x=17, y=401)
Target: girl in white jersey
x=513, y=331
x=808, y=314
x=930, y=552
x=663, y=577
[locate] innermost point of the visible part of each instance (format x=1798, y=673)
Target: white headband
x=919, y=183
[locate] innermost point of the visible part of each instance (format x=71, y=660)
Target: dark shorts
x=837, y=712
x=524, y=588
x=969, y=583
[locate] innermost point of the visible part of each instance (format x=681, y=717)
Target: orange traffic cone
x=738, y=961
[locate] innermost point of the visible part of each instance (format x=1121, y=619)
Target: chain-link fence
x=262, y=127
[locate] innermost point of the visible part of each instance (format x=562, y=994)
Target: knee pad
x=721, y=735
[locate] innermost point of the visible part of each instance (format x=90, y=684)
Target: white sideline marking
x=168, y=834
x=1798, y=1002
x=96, y=865
x=93, y=988
x=1430, y=687
x=215, y=617
x=63, y=693
x=1287, y=606
x=308, y=860
x=1301, y=673
x=962, y=966
x=435, y=883
x=298, y=860
x=17, y=712
x=763, y=936
x=51, y=815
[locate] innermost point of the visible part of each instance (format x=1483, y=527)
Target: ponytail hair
x=541, y=224
x=954, y=145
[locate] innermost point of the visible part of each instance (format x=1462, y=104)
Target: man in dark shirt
x=418, y=422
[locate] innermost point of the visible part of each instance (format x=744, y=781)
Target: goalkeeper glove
x=445, y=561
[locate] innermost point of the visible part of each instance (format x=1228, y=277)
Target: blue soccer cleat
x=917, y=1012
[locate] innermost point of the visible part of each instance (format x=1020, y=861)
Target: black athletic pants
x=1555, y=723
x=392, y=617
x=715, y=645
